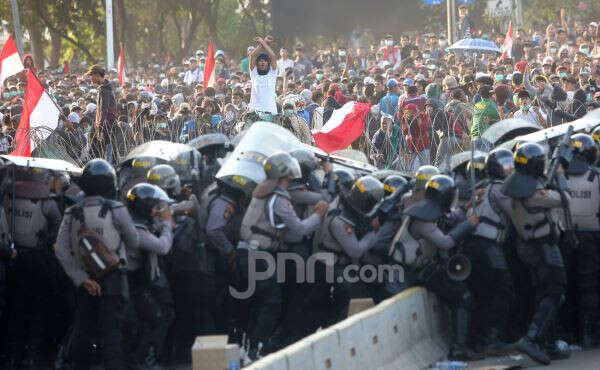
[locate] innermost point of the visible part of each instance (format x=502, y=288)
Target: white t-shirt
x=282, y=65
x=530, y=116
x=262, y=95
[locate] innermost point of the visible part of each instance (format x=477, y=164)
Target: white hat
x=369, y=81
x=594, y=24
x=548, y=60
x=91, y=107
x=73, y=117
x=306, y=95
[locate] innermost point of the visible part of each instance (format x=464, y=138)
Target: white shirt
x=529, y=116
x=282, y=65
x=195, y=76
x=262, y=94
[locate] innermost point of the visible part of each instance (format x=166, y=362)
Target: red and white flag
x=343, y=127
x=209, y=67
x=122, y=75
x=39, y=110
x=508, y=43
x=10, y=61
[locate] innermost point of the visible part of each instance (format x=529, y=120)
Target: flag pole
x=17, y=23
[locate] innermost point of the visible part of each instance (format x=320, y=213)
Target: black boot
x=494, y=346
x=460, y=351
x=586, y=333
x=528, y=346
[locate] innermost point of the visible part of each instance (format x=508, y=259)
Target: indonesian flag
x=10, y=61
x=209, y=67
x=122, y=75
x=343, y=127
x=508, y=43
x=38, y=111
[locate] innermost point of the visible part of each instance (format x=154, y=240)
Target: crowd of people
x=176, y=237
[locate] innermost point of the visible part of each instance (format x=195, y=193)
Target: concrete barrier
x=406, y=331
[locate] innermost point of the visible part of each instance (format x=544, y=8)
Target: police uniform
x=150, y=292
x=36, y=222
x=484, y=247
x=104, y=313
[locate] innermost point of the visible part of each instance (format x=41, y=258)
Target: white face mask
x=570, y=95
x=389, y=42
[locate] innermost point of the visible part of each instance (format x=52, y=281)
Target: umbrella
x=475, y=45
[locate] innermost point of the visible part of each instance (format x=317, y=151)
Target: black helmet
x=395, y=183
x=478, y=164
x=141, y=165
x=441, y=190
x=596, y=135
x=584, y=147
x=423, y=174
x=282, y=164
x=530, y=159
x=98, y=178
x=344, y=180
x=143, y=197
x=165, y=177
x=33, y=174
x=185, y=163
x=365, y=194
x=499, y=163
x=307, y=160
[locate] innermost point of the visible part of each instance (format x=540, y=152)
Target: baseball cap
x=73, y=117
x=91, y=107
x=369, y=81
x=199, y=52
x=548, y=60
x=392, y=83
x=408, y=82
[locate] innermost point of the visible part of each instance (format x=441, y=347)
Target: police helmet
x=478, y=165
x=423, y=174
x=499, y=163
x=185, y=162
x=141, y=165
x=98, y=178
x=165, y=177
x=143, y=197
x=441, y=189
x=584, y=147
x=282, y=164
x=366, y=192
x=395, y=183
x=596, y=135
x=32, y=174
x=307, y=160
x=344, y=179
x=530, y=159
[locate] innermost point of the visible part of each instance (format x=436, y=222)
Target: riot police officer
x=186, y=267
x=188, y=166
x=485, y=250
x=419, y=244
x=212, y=147
x=100, y=301
x=150, y=293
x=343, y=180
x=267, y=222
x=423, y=174
x=596, y=137
x=34, y=218
x=344, y=235
x=584, y=186
x=537, y=247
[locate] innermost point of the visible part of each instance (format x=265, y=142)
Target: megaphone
x=458, y=267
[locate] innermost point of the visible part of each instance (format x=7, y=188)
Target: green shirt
x=245, y=65
x=485, y=113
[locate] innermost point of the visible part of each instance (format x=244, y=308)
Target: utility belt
x=342, y=258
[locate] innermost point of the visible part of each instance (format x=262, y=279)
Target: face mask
x=161, y=125
x=586, y=51
x=389, y=42
x=201, y=65
x=5, y=95
x=553, y=50
x=442, y=43
x=229, y=116
x=13, y=93
x=342, y=53
x=499, y=77
x=319, y=76
x=526, y=108
x=288, y=112
x=562, y=74
x=570, y=94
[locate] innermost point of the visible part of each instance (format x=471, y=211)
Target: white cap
x=73, y=117
x=548, y=60
x=369, y=81
x=91, y=107
x=306, y=95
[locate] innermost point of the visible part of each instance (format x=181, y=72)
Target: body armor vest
x=585, y=201
x=324, y=242
x=407, y=250
x=30, y=222
x=98, y=217
x=531, y=223
x=492, y=222
x=259, y=227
